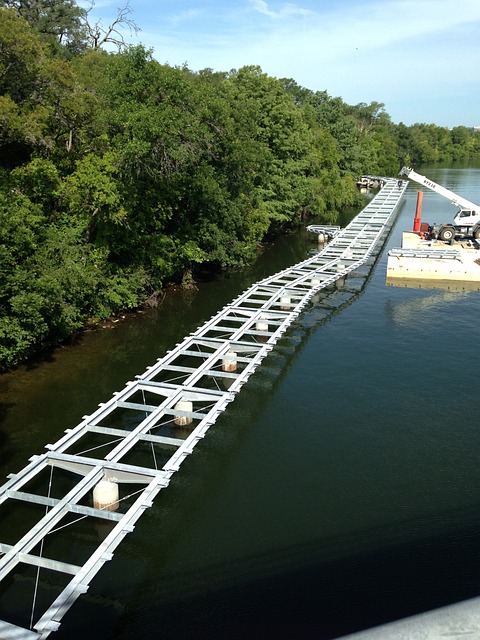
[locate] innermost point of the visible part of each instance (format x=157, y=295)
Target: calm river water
x=339, y=490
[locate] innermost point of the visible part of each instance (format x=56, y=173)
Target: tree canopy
x=120, y=174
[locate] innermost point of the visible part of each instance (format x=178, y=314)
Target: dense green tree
x=427, y=143
x=91, y=193
x=60, y=23
x=296, y=150
x=21, y=123
x=44, y=106
x=39, y=181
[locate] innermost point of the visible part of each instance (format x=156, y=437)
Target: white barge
x=443, y=256
x=434, y=263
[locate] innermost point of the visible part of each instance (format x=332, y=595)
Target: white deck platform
x=434, y=262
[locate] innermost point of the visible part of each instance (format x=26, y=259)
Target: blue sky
x=421, y=58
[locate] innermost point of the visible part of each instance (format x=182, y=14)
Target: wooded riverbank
x=120, y=174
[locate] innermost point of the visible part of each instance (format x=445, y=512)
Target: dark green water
x=340, y=490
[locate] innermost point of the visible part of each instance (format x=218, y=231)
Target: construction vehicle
x=466, y=223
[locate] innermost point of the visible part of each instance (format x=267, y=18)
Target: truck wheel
x=447, y=234
x=476, y=233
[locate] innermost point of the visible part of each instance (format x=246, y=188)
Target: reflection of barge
x=434, y=262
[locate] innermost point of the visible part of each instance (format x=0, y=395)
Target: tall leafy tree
x=44, y=106
x=59, y=22
x=22, y=125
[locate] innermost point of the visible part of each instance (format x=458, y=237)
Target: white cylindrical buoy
x=261, y=324
x=229, y=362
x=315, y=282
x=285, y=303
x=341, y=280
x=183, y=405
x=105, y=496
x=321, y=238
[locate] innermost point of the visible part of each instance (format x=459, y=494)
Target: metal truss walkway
x=137, y=440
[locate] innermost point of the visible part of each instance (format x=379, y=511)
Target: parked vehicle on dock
x=466, y=223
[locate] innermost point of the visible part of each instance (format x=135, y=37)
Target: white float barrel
x=229, y=362
x=262, y=325
x=105, y=496
x=183, y=405
x=285, y=303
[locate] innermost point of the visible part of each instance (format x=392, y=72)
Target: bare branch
x=98, y=35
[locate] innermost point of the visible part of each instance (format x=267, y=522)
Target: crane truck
x=466, y=223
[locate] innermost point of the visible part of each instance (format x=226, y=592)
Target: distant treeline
x=120, y=174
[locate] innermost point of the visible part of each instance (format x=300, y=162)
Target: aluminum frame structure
x=436, y=254
x=190, y=383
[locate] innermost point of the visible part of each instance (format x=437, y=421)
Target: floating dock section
x=108, y=469
x=434, y=263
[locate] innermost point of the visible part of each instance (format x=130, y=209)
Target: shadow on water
x=5, y=408
x=319, y=590
x=5, y=451
x=319, y=600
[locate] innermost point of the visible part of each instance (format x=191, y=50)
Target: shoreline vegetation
x=120, y=176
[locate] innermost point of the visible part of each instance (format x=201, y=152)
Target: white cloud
x=186, y=16
x=287, y=10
